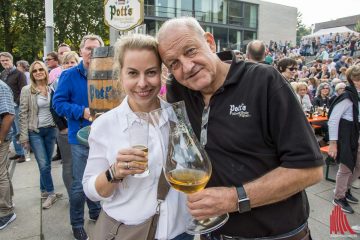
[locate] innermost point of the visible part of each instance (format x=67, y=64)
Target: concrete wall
x=276, y=22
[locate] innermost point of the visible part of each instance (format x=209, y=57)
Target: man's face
x=6, y=62
x=61, y=51
x=85, y=52
x=51, y=62
x=189, y=57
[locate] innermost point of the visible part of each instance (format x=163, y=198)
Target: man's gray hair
x=7, y=55
x=190, y=22
x=91, y=37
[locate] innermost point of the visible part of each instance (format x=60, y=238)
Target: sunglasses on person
x=38, y=70
x=292, y=68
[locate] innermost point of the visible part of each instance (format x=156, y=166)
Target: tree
x=357, y=26
x=301, y=29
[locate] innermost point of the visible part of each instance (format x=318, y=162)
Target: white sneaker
x=356, y=184
x=356, y=228
x=50, y=200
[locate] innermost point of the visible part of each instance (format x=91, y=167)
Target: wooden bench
x=325, y=150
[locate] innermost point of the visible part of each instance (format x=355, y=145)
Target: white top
x=135, y=199
x=305, y=102
x=44, y=114
x=341, y=110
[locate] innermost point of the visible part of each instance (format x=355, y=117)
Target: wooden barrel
x=104, y=91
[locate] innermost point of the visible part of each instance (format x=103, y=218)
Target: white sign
x=124, y=15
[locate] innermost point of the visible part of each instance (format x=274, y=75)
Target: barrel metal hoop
x=102, y=52
x=100, y=75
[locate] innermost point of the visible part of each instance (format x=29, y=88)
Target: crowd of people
x=258, y=168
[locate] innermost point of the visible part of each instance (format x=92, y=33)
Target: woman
x=37, y=127
x=303, y=97
x=70, y=59
x=339, y=89
x=333, y=74
x=344, y=139
x=322, y=95
x=324, y=73
x=303, y=73
x=342, y=75
x=138, y=65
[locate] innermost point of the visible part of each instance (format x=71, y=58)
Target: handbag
x=115, y=230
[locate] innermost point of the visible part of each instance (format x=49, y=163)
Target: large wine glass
x=187, y=166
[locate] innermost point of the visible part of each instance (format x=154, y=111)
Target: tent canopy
x=327, y=31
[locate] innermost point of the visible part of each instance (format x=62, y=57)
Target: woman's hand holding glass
x=130, y=161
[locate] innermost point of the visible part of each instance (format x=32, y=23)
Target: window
x=221, y=38
x=150, y=27
x=219, y=11
x=234, y=39
x=165, y=8
x=149, y=8
x=235, y=15
x=250, y=15
x=184, y=7
x=203, y=11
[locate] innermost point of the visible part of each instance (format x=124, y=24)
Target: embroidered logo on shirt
x=239, y=111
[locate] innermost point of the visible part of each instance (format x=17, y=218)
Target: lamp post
x=49, y=26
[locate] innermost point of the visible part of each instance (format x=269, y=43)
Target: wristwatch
x=110, y=177
x=243, y=200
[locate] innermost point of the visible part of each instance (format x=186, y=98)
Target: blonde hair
x=133, y=42
x=32, y=79
x=353, y=73
x=294, y=86
x=70, y=55
x=301, y=84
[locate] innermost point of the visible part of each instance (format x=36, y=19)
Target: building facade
x=233, y=23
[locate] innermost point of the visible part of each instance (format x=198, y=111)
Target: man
x=324, y=55
x=288, y=67
x=341, y=63
x=53, y=75
x=255, y=51
x=71, y=100
x=16, y=80
x=52, y=61
x=266, y=153
x=7, y=115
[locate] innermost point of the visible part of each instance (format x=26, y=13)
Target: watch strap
x=243, y=200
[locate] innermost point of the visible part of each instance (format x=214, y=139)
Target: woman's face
x=356, y=82
x=38, y=72
x=340, y=90
x=70, y=63
x=141, y=79
x=302, y=91
x=20, y=68
x=290, y=72
x=325, y=91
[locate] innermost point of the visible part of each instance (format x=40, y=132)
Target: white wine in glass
x=187, y=167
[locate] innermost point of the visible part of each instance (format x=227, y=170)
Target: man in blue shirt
x=7, y=115
x=71, y=100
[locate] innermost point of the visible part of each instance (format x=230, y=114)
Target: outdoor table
x=317, y=119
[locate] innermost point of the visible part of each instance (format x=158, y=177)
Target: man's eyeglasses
x=38, y=70
x=292, y=68
x=48, y=59
x=204, y=125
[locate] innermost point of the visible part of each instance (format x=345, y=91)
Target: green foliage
x=22, y=25
x=357, y=26
x=301, y=29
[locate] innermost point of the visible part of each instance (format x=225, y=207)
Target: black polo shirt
x=255, y=125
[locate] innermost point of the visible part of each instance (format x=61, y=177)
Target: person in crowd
x=344, y=139
x=312, y=72
x=54, y=75
x=324, y=73
x=37, y=127
x=56, y=72
x=352, y=44
x=333, y=74
x=324, y=55
x=341, y=63
x=303, y=97
x=342, y=75
x=322, y=96
x=304, y=72
x=139, y=65
x=7, y=116
x=269, y=59
x=288, y=68
x=255, y=51
x=330, y=64
x=70, y=59
x=23, y=66
x=238, y=55
x=71, y=100
x=16, y=80
x=349, y=62
x=244, y=182
x=339, y=89
x=313, y=83
x=52, y=61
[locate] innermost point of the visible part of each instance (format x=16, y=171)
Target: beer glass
x=138, y=128
x=187, y=166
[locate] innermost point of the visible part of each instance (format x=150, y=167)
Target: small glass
x=138, y=127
